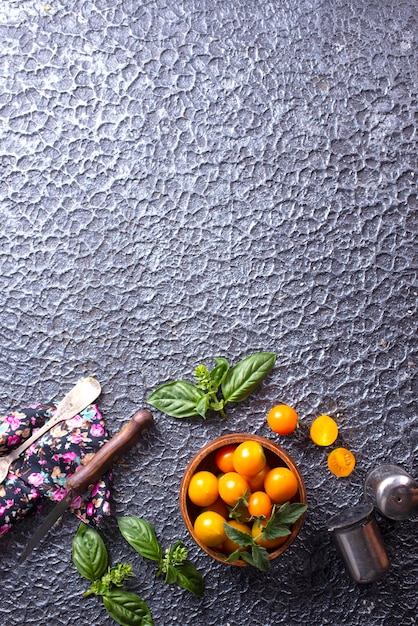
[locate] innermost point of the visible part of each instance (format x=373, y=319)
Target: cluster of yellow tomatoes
x=283, y=420
x=243, y=476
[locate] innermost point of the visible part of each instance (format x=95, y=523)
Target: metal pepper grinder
x=359, y=542
x=392, y=491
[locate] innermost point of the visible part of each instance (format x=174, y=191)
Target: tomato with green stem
x=232, y=486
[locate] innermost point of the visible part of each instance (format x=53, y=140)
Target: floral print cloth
x=43, y=469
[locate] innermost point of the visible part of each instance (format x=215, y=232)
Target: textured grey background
x=188, y=179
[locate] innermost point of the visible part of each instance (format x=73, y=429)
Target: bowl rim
x=210, y=448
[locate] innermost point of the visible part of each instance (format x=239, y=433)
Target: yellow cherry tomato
x=282, y=419
x=209, y=528
x=232, y=486
x=219, y=506
x=341, y=462
x=281, y=484
x=203, y=488
x=257, y=482
x=259, y=504
x=324, y=430
x=223, y=458
x=249, y=458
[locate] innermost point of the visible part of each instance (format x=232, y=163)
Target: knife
x=87, y=475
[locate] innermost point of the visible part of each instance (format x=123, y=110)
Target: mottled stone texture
x=188, y=179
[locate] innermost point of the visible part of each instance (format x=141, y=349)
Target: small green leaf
x=276, y=531
x=202, y=376
x=170, y=574
x=279, y=522
x=126, y=608
x=215, y=404
x=246, y=556
x=202, y=406
x=177, y=399
x=290, y=512
x=240, y=510
x=246, y=375
x=237, y=536
x=177, y=553
x=235, y=556
x=89, y=553
x=141, y=536
x=260, y=558
x=219, y=373
x=188, y=577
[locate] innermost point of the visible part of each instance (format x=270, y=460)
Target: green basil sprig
x=172, y=563
x=89, y=555
x=215, y=388
x=277, y=526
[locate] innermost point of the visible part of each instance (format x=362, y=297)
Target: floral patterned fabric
x=42, y=470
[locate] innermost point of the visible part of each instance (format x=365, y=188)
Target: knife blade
x=87, y=475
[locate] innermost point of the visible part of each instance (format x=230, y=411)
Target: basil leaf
x=237, y=536
x=178, y=399
x=171, y=574
x=202, y=406
x=141, y=536
x=126, y=608
x=89, y=553
x=188, y=577
x=219, y=373
x=244, y=377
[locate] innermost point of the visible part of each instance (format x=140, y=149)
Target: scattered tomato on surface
x=324, y=430
x=341, y=462
x=282, y=419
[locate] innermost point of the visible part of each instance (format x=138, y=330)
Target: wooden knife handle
x=104, y=459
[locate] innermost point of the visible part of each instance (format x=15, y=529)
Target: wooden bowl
x=205, y=460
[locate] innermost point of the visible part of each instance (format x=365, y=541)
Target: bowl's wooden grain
x=204, y=459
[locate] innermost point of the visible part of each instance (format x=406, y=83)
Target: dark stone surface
x=188, y=179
